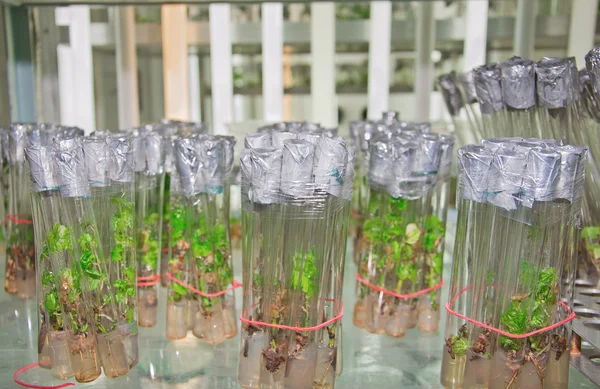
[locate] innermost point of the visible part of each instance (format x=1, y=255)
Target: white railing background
x=181, y=78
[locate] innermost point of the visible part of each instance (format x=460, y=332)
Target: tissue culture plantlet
x=121, y=255
x=528, y=312
x=303, y=275
x=149, y=243
x=179, y=247
x=97, y=279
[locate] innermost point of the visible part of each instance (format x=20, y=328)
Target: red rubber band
x=31, y=366
x=234, y=285
x=150, y=280
x=504, y=333
x=399, y=295
x=298, y=329
x=15, y=219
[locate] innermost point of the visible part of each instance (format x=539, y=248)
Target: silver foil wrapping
x=71, y=168
x=17, y=140
x=279, y=137
x=474, y=164
x=554, y=82
x=229, y=145
x=489, y=88
x=97, y=160
x=297, y=168
x=330, y=165
x=212, y=165
x=401, y=178
x=258, y=140
x=266, y=176
x=506, y=178
x=467, y=84
x=539, y=182
x=349, y=179
x=42, y=168
x=450, y=93
x=120, y=168
x=187, y=162
x=518, y=83
x=381, y=156
x=592, y=64
x=154, y=156
x=572, y=171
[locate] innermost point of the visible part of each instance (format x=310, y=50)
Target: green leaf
x=47, y=278
x=51, y=302
x=59, y=239
x=304, y=264
x=116, y=254
x=590, y=233
x=527, y=273
x=179, y=289
x=413, y=233
x=460, y=345
x=438, y=263
x=407, y=272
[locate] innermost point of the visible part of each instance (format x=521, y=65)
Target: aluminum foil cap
x=489, y=88
x=446, y=157
x=592, y=64
x=266, y=175
x=554, y=79
x=572, y=172
x=450, y=93
x=71, y=132
x=153, y=152
x=42, y=168
x=4, y=142
x=506, y=179
x=187, y=161
x=229, y=145
x=17, y=140
x=120, y=167
x=518, y=83
x=97, y=160
x=279, y=137
x=297, y=168
x=330, y=165
x=389, y=117
x=349, y=179
x=474, y=164
x=365, y=133
x=539, y=182
x=246, y=169
x=354, y=126
x=258, y=140
x=212, y=165
x=585, y=80
x=71, y=168
x=312, y=137
x=400, y=180
x=467, y=85
x=381, y=156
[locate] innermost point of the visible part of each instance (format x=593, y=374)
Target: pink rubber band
x=31, y=366
x=299, y=329
x=399, y=295
x=504, y=333
x=15, y=219
x=150, y=280
x=234, y=285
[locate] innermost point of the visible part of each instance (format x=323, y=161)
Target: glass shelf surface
x=369, y=361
